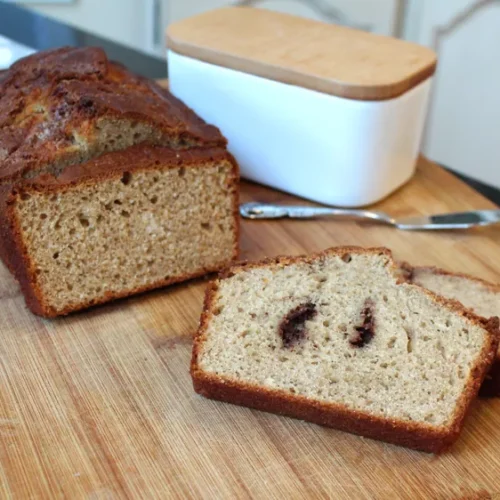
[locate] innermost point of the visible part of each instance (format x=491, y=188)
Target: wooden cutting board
x=99, y=405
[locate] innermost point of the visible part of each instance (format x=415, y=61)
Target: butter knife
x=454, y=220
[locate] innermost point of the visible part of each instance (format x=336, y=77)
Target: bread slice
x=66, y=106
x=480, y=296
x=336, y=339
x=124, y=223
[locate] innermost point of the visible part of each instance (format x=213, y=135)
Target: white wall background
x=463, y=129
x=123, y=21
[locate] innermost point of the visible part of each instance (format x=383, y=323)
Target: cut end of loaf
x=95, y=238
x=378, y=357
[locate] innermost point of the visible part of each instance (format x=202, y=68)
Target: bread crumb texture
x=360, y=339
x=91, y=240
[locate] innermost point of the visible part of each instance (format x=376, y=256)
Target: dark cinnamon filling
x=292, y=329
x=364, y=333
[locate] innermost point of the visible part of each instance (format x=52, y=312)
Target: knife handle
x=256, y=210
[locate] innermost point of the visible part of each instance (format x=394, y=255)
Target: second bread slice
x=336, y=339
x=481, y=297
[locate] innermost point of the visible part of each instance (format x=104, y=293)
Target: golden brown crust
x=47, y=97
x=5, y=246
x=411, y=434
x=112, y=165
x=405, y=271
x=408, y=434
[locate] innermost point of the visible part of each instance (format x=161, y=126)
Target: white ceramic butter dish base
x=329, y=149
x=319, y=110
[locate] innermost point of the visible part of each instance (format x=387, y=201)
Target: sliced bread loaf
x=481, y=297
x=124, y=223
x=337, y=339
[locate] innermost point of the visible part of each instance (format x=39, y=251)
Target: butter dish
x=321, y=111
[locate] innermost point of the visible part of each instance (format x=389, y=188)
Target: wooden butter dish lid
x=325, y=57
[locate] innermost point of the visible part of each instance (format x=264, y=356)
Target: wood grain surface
x=325, y=57
x=99, y=405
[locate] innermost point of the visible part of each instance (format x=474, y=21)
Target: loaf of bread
x=337, y=339
x=480, y=296
x=109, y=185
